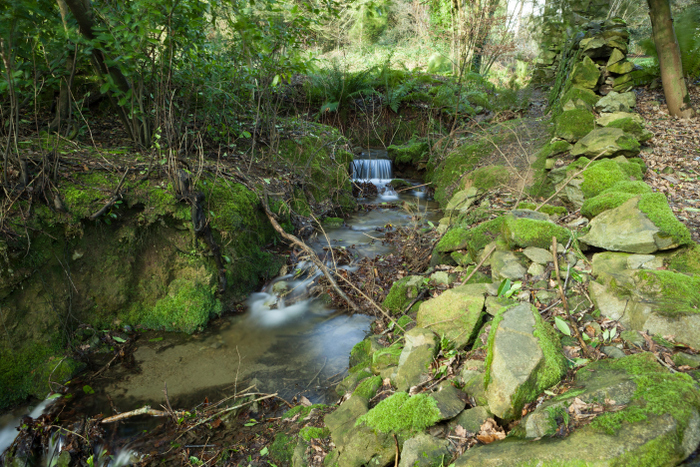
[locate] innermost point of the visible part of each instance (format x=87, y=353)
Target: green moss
x=402, y=414
x=489, y=346
x=458, y=162
x=54, y=370
x=686, y=260
x=187, y=307
x=302, y=410
x=486, y=178
x=524, y=232
x=88, y=193
x=282, y=448
x=604, y=202
x=602, y=175
x=402, y=293
x=579, y=98
x=679, y=294
x=547, y=208
x=476, y=238
x=404, y=321
x=409, y=153
x=628, y=125
x=655, y=206
x=572, y=125
x=361, y=353
x=313, y=432
x=368, y=388
x=554, y=367
x=658, y=393
x=17, y=379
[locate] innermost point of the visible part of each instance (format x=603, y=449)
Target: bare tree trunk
x=63, y=107
x=675, y=90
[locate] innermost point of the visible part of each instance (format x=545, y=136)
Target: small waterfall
x=375, y=171
x=370, y=169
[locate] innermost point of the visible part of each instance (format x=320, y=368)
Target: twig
x=167, y=400
x=372, y=302
x=318, y=372
x=486, y=256
x=373, y=238
x=228, y=409
x=565, y=302
x=112, y=200
x=396, y=442
x=414, y=186
x=567, y=181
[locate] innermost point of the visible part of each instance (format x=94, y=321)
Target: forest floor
x=674, y=158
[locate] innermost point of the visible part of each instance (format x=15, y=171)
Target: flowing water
x=286, y=342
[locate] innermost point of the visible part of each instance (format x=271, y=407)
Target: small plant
x=508, y=288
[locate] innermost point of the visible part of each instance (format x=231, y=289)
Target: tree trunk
x=669, y=54
x=63, y=107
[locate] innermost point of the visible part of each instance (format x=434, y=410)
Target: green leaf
x=264, y=451
x=504, y=287
x=275, y=81
x=245, y=134
x=88, y=390
x=104, y=88
x=562, y=326
x=118, y=339
x=266, y=180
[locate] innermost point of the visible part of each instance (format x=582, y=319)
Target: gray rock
x=366, y=447
x=606, y=142
x=341, y=423
x=607, y=118
x=644, y=262
x=545, y=296
x=424, y=450
x=686, y=359
x=471, y=419
x=441, y=278
x=505, y=265
x=617, y=102
x=416, y=357
x=496, y=304
x=529, y=214
x=518, y=361
x=461, y=201
x=612, y=351
x=626, y=228
x=538, y=255
x=632, y=339
x=536, y=270
x=455, y=313
x=450, y=400
x=673, y=434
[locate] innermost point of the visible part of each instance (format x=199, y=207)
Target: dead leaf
x=305, y=402
x=490, y=432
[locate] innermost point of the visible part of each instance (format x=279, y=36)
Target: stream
x=286, y=343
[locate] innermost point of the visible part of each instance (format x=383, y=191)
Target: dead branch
x=486, y=256
x=567, y=181
x=145, y=410
x=116, y=196
x=319, y=264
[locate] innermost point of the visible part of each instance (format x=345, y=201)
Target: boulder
x=615, y=57
x=607, y=118
x=461, y=201
x=366, y=447
x=455, y=313
x=621, y=67
x=613, y=197
x=643, y=224
x=572, y=125
x=450, y=400
x=538, y=255
x=523, y=232
x=633, y=128
x=617, y=102
x=420, y=348
x=524, y=359
x=652, y=418
x=471, y=419
x=505, y=265
x=585, y=74
x=606, y=142
x=341, y=422
x=576, y=98
x=424, y=450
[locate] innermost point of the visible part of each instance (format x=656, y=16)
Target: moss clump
x=361, y=353
x=368, y=388
x=16, y=371
x=486, y=178
x=547, y=209
x=282, y=448
x=628, y=125
x=302, y=410
x=524, y=232
x=613, y=197
x=402, y=414
x=678, y=293
x=332, y=222
x=602, y=175
x=554, y=367
x=576, y=98
x=404, y=321
x=687, y=260
x=655, y=206
x=187, y=307
x=658, y=393
x=572, y=125
x=489, y=345
x=476, y=238
x=87, y=194
x=458, y=162
x=313, y=432
x=409, y=153
x=402, y=293
x=53, y=370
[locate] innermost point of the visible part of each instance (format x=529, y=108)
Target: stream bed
x=291, y=347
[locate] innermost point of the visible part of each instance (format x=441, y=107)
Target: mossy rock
x=576, y=98
x=402, y=293
x=632, y=127
x=386, y=358
x=52, y=374
x=572, y=125
x=471, y=239
x=486, y=178
x=604, y=174
x=613, y=197
x=547, y=208
x=368, y=388
x=606, y=142
x=522, y=232
x=656, y=208
x=685, y=260
x=585, y=74
x=402, y=414
x=410, y=153
x=460, y=161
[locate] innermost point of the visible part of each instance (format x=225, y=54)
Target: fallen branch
x=228, y=409
x=414, y=186
x=486, y=256
x=314, y=258
x=145, y=410
x=387, y=315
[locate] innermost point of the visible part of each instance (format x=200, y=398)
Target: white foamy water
x=8, y=431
